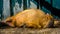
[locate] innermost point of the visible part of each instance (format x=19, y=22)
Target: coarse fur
x=31, y=18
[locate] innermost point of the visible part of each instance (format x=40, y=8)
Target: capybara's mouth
x=3, y=25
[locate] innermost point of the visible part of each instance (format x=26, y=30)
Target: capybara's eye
x=9, y=21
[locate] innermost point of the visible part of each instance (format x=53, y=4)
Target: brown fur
x=31, y=18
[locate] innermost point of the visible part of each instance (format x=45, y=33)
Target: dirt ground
x=30, y=31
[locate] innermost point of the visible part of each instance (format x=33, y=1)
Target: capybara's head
x=9, y=21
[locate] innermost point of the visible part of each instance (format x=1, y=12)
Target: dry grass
x=30, y=31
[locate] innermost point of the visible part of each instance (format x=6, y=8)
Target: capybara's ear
x=49, y=16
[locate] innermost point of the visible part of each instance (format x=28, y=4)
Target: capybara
x=30, y=18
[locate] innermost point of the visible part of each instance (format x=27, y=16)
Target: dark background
x=48, y=6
